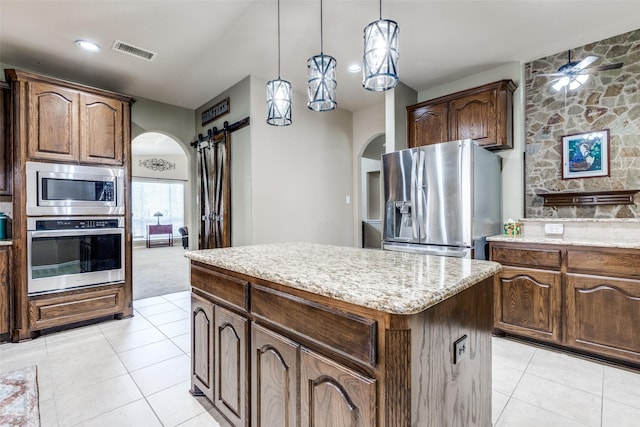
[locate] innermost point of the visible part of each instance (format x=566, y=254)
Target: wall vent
x=133, y=50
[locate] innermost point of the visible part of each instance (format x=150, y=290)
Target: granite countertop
x=584, y=241
x=392, y=282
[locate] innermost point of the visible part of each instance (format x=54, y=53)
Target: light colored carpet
x=19, y=398
x=159, y=271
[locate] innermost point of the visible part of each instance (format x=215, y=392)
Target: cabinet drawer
x=350, y=334
x=66, y=309
x=229, y=289
x=604, y=262
x=542, y=258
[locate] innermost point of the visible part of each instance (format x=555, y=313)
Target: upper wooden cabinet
x=484, y=114
x=5, y=141
x=71, y=123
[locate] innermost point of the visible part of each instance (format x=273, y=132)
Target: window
x=149, y=197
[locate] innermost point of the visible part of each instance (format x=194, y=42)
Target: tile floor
x=135, y=372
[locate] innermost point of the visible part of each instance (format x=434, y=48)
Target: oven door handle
x=75, y=232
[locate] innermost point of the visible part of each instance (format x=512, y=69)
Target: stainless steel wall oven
x=71, y=252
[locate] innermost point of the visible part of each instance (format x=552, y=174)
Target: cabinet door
x=4, y=294
x=6, y=163
x=333, y=395
x=603, y=315
x=52, y=116
x=201, y=346
x=528, y=302
x=230, y=369
x=274, y=368
x=101, y=138
x=474, y=116
x=428, y=125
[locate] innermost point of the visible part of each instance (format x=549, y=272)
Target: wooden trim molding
x=588, y=198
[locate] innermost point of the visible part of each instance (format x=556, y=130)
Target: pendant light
x=380, y=62
x=321, y=86
x=278, y=94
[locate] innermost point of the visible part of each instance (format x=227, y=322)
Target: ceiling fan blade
x=605, y=67
x=550, y=74
x=585, y=63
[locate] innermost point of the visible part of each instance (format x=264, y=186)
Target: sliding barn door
x=215, y=193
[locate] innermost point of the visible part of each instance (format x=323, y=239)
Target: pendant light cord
x=279, y=40
x=321, y=45
x=380, y=9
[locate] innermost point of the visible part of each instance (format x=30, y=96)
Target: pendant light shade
x=380, y=62
x=321, y=83
x=279, y=94
x=278, y=102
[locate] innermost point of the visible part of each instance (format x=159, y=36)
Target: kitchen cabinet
x=584, y=298
x=484, y=114
x=71, y=123
x=230, y=367
x=5, y=141
x=312, y=360
x=202, y=346
x=5, y=293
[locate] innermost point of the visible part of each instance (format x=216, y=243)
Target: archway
x=371, y=192
x=160, y=182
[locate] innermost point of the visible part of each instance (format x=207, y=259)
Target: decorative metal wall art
x=157, y=164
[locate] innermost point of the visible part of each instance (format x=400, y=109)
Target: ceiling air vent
x=133, y=50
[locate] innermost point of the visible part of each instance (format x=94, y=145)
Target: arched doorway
x=159, y=183
x=371, y=192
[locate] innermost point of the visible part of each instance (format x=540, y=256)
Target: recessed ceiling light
x=87, y=45
x=354, y=68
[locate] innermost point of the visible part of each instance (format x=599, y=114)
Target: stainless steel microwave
x=64, y=189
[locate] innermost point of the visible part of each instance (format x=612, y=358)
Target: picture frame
x=585, y=155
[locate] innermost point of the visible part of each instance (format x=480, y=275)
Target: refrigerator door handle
x=413, y=192
x=419, y=188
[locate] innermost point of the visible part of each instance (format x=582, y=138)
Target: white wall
x=403, y=96
x=301, y=174
x=512, y=160
x=368, y=123
x=368, y=165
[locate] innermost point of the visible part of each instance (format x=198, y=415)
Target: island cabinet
x=484, y=114
x=267, y=354
x=584, y=298
x=5, y=293
x=70, y=123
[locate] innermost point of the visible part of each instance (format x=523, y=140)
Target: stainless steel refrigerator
x=442, y=199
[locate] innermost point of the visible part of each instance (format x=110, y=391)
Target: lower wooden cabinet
x=603, y=315
x=5, y=293
x=330, y=394
x=580, y=297
x=527, y=301
x=274, y=367
x=202, y=346
x=230, y=367
x=333, y=395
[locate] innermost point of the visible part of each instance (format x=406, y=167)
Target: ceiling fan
x=574, y=74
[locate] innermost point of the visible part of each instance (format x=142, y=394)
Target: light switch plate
x=556, y=229
x=460, y=349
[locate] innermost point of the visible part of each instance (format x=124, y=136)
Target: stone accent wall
x=608, y=100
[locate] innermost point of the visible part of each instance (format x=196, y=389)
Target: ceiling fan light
x=574, y=84
x=380, y=62
x=582, y=78
x=561, y=83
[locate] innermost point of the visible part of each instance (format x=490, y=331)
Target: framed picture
x=585, y=155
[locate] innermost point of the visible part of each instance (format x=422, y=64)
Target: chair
x=184, y=232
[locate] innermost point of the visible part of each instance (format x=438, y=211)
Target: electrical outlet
x=553, y=229
x=460, y=349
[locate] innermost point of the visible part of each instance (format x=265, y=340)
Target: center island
x=299, y=334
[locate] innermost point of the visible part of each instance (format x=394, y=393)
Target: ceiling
x=204, y=47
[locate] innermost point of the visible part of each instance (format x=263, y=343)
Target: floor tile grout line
x=552, y=412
